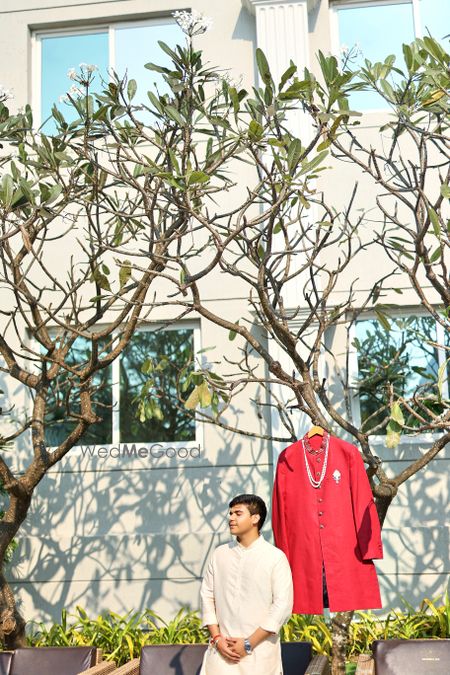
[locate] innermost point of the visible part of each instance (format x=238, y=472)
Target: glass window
x=154, y=359
x=374, y=32
x=404, y=358
x=435, y=18
x=58, y=55
x=165, y=353
x=137, y=45
x=64, y=400
x=126, y=48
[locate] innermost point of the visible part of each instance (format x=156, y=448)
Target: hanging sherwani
x=245, y=588
x=327, y=520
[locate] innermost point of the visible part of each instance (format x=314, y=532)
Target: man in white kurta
x=246, y=595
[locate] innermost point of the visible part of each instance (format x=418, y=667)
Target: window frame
x=379, y=439
x=115, y=390
x=359, y=4
x=109, y=27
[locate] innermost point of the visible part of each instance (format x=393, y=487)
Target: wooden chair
x=55, y=661
x=406, y=657
x=187, y=660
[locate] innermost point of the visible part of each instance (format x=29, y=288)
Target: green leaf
x=308, y=167
x=174, y=115
x=442, y=376
x=294, y=153
x=124, y=273
x=288, y=73
x=393, y=438
x=436, y=255
x=8, y=190
x=255, y=131
x=54, y=193
x=397, y=414
x=232, y=334
x=434, y=221
x=131, y=89
x=263, y=66
x=205, y=395
x=445, y=191
x=198, y=177
x=193, y=399
x=234, y=99
x=383, y=319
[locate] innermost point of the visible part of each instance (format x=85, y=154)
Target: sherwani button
x=321, y=526
x=320, y=513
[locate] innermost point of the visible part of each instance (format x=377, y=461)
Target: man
x=246, y=597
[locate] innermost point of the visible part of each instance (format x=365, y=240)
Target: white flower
x=5, y=94
x=192, y=23
x=72, y=74
x=91, y=68
x=344, y=50
x=75, y=91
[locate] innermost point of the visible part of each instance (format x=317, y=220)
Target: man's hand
x=237, y=645
x=226, y=650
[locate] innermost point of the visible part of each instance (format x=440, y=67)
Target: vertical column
x=282, y=34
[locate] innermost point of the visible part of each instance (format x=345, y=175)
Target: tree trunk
x=340, y=628
x=12, y=624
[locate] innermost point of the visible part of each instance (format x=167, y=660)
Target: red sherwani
x=335, y=525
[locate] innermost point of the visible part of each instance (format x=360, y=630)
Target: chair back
x=5, y=662
x=171, y=659
x=414, y=657
x=296, y=657
x=52, y=660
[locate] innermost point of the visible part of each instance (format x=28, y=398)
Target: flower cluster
x=5, y=94
x=83, y=77
x=192, y=23
x=86, y=70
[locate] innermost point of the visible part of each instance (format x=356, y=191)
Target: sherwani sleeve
x=367, y=524
x=208, y=604
x=278, y=509
x=282, y=597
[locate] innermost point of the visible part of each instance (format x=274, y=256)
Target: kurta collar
x=256, y=543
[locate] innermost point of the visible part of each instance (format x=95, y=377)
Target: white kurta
x=245, y=588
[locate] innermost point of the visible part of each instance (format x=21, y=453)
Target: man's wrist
x=215, y=639
x=247, y=646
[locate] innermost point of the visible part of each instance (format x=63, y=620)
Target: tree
x=301, y=241
x=215, y=181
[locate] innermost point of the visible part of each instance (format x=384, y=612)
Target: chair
x=57, y=661
x=414, y=657
x=5, y=662
x=187, y=660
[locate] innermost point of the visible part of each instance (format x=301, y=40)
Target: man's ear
x=258, y=518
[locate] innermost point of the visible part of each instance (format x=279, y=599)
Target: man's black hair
x=254, y=504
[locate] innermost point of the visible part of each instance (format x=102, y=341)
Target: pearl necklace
x=317, y=483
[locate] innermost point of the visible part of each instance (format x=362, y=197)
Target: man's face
x=241, y=520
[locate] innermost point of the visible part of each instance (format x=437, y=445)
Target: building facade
x=122, y=531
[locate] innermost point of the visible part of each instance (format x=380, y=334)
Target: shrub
x=122, y=636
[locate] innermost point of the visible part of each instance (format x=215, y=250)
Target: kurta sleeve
x=279, y=509
x=367, y=524
x=208, y=604
x=282, y=597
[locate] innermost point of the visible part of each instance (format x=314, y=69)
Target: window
x=406, y=357
x=374, y=30
x=152, y=355
x=125, y=48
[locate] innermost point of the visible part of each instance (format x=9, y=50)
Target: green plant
x=119, y=636
x=122, y=636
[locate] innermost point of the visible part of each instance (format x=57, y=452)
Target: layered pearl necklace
x=316, y=483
